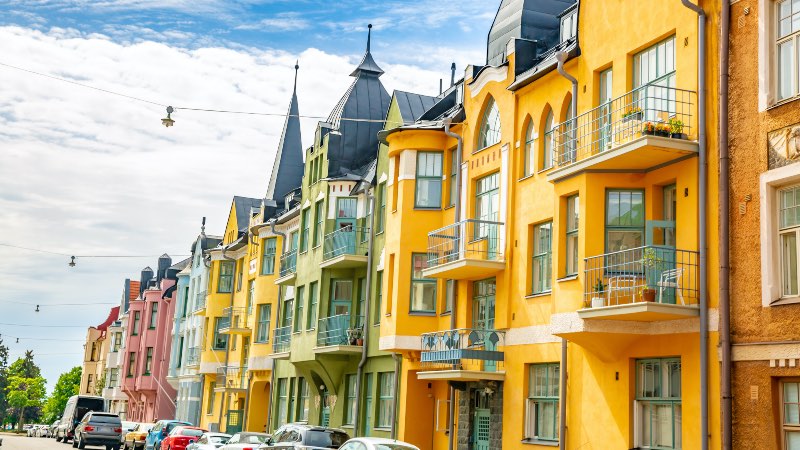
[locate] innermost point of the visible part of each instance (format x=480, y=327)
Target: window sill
x=540, y=442
x=526, y=177
x=539, y=294
x=378, y=233
x=427, y=208
x=261, y=342
x=422, y=313
x=568, y=278
x=785, y=301
x=496, y=144
x=545, y=170
x=316, y=246
x=449, y=207
x=383, y=428
x=446, y=313
x=783, y=102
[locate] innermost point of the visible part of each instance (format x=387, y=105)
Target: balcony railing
x=288, y=263
x=200, y=301
x=622, y=120
x=644, y=274
x=340, y=330
x=463, y=349
x=468, y=239
x=281, y=338
x=345, y=241
x=233, y=378
x=193, y=356
x=237, y=318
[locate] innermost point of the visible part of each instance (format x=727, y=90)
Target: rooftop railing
x=644, y=274
x=200, y=300
x=288, y=263
x=463, y=349
x=281, y=339
x=345, y=241
x=649, y=109
x=339, y=330
x=468, y=239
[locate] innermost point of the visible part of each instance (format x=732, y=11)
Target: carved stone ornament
x=784, y=146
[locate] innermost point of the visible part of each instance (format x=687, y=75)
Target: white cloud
x=279, y=23
x=90, y=173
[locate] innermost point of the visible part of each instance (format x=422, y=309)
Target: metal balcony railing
x=232, y=377
x=345, y=241
x=237, y=317
x=649, y=109
x=463, y=349
x=193, y=356
x=288, y=263
x=340, y=330
x=468, y=239
x=200, y=301
x=644, y=274
x=281, y=339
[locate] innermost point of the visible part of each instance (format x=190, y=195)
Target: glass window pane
x=793, y=440
x=789, y=263
x=786, y=69
x=790, y=392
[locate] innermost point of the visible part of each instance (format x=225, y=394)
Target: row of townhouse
x=559, y=249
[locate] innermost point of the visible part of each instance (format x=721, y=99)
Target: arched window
x=547, y=159
x=529, y=167
x=490, y=125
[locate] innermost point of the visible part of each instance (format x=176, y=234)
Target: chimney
x=147, y=275
x=452, y=74
x=441, y=81
x=164, y=261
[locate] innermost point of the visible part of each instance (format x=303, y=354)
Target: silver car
x=98, y=428
x=209, y=441
x=373, y=443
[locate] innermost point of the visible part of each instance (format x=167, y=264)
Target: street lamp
x=167, y=121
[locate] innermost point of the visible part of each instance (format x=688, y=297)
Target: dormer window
x=569, y=25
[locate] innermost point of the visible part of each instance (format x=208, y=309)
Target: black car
x=305, y=436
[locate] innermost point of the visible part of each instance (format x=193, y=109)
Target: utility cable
x=81, y=256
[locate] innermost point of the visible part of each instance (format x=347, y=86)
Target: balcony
x=231, y=379
x=345, y=248
x=281, y=340
x=644, y=284
x=200, y=302
x=464, y=354
x=193, y=357
x=649, y=127
x=340, y=335
x=288, y=270
x=236, y=321
x=467, y=250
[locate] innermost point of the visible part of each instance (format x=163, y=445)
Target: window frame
x=381, y=214
x=608, y=228
x=784, y=426
x=153, y=316
x=313, y=304
x=270, y=249
x=640, y=400
x=299, y=300
x=350, y=399
x=485, y=140
x=218, y=337
x=131, y=365
x=376, y=320
x=571, y=235
x=452, y=187
x=568, y=20
x=450, y=287
x=222, y=275
x=385, y=398
x=528, y=160
x=148, y=362
x=319, y=224
x=548, y=141
x=428, y=179
x=546, y=277
x=305, y=228
x=264, y=322
x=424, y=281
x=137, y=322
x=551, y=397
x=785, y=229
x=777, y=41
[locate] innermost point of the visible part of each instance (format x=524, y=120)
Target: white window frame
x=771, y=182
x=569, y=25
x=776, y=42
x=768, y=57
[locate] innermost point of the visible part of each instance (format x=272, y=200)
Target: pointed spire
x=368, y=65
x=296, y=69
x=287, y=170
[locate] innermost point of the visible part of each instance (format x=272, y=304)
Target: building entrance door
x=481, y=421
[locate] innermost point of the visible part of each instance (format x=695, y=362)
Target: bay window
x=428, y=192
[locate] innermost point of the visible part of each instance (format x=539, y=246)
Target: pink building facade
x=145, y=364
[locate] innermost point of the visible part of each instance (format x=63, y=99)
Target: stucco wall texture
x=755, y=413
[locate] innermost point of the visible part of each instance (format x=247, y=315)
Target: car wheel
x=74, y=441
x=58, y=439
x=81, y=444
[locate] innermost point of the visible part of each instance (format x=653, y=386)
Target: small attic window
x=569, y=25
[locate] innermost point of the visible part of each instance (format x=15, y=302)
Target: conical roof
x=367, y=63
x=287, y=170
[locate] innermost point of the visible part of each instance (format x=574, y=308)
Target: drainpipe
x=451, y=425
x=277, y=321
x=227, y=348
x=398, y=359
x=724, y=232
x=702, y=195
x=365, y=335
x=561, y=57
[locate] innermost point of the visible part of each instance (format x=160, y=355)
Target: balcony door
x=487, y=211
x=483, y=307
x=654, y=80
x=660, y=236
x=345, y=225
x=605, y=111
x=341, y=297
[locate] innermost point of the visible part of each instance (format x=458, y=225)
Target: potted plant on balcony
x=650, y=260
x=598, y=301
x=676, y=129
x=634, y=113
x=649, y=128
x=662, y=129
x=355, y=336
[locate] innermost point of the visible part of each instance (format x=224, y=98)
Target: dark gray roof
x=180, y=265
x=244, y=207
x=368, y=64
x=412, y=106
x=535, y=20
x=353, y=143
x=287, y=170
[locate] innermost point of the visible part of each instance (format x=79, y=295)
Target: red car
x=180, y=437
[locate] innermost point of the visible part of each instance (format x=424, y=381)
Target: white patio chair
x=670, y=279
x=622, y=284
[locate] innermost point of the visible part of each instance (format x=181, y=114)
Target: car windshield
x=327, y=439
x=128, y=425
x=253, y=439
x=392, y=447
x=172, y=425
x=218, y=439
x=105, y=418
x=144, y=427
x=191, y=432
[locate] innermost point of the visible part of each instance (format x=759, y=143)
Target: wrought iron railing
x=649, y=109
x=281, y=339
x=193, y=356
x=232, y=377
x=468, y=239
x=643, y=274
x=237, y=317
x=340, y=330
x=463, y=349
x=200, y=301
x=288, y=263
x=345, y=241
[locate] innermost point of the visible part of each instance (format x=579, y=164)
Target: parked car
x=51, y=432
x=373, y=443
x=30, y=429
x=180, y=437
x=77, y=407
x=161, y=430
x=98, y=428
x=209, y=441
x=245, y=440
x=135, y=439
x=302, y=435
x=41, y=430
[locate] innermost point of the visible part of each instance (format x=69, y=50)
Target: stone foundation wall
x=466, y=414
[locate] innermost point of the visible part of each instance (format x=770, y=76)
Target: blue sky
x=83, y=172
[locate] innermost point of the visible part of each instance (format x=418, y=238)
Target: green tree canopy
x=25, y=389
x=68, y=384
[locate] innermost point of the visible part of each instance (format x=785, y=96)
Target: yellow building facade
x=551, y=224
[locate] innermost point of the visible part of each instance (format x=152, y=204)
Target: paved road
x=30, y=443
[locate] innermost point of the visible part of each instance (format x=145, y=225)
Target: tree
x=3, y=381
x=68, y=384
x=25, y=393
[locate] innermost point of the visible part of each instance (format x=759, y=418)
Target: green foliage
x=25, y=389
x=68, y=384
x=3, y=381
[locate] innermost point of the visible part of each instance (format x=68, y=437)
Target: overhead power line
x=50, y=252
x=33, y=325
x=59, y=304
